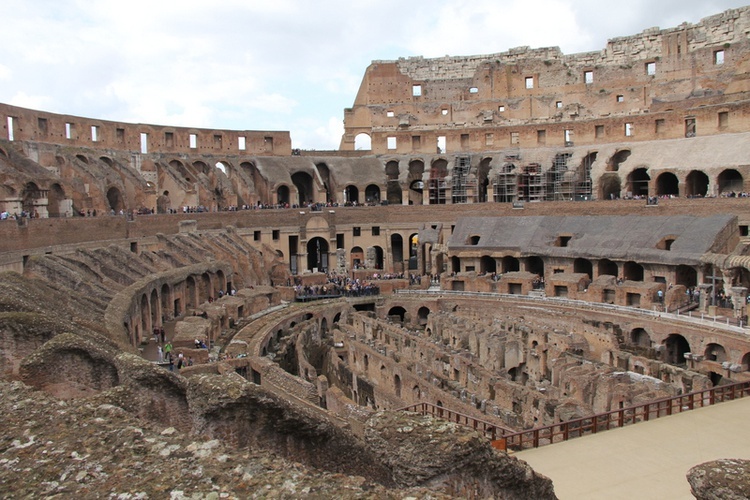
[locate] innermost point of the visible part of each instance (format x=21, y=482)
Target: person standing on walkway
x=161, y=354
x=168, y=351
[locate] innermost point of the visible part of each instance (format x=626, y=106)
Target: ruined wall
x=504, y=99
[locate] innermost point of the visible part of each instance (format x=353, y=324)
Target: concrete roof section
x=630, y=237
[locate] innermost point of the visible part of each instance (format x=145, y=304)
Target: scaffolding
x=531, y=183
x=461, y=169
x=560, y=180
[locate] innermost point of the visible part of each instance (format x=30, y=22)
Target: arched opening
x=223, y=167
x=336, y=318
x=351, y=194
x=304, y=184
x=378, y=257
x=535, y=265
x=667, y=185
x=511, y=264
x=483, y=180
x=169, y=309
x=260, y=184
x=323, y=328
x=686, y=275
x=31, y=193
x=55, y=199
x=609, y=187
x=730, y=182
x=202, y=167
x=632, y=271
x=638, y=181
x=325, y=175
x=191, y=290
x=455, y=264
x=487, y=265
x=676, y=347
x=372, y=194
x=145, y=316
x=82, y=158
x=613, y=165
x=397, y=313
x=608, y=268
x=423, y=315
x=114, y=198
x=438, y=186
x=640, y=337
x=362, y=142
x=416, y=185
x=357, y=257
x=715, y=352
x=413, y=251
x=393, y=188
x=317, y=255
x=583, y=266
x=397, y=385
x=397, y=252
x=282, y=195
x=696, y=184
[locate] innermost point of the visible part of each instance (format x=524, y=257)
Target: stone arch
x=416, y=393
x=357, y=258
x=696, y=184
x=423, y=314
x=205, y=289
x=730, y=181
x=182, y=169
x=609, y=186
x=715, y=352
x=483, y=179
x=511, y=264
x=155, y=306
x=372, y=194
x=107, y=160
x=535, y=265
x=169, y=306
x=379, y=259
x=413, y=251
x=638, y=182
x=317, y=255
x=613, y=165
x=30, y=194
x=640, y=337
x=304, y=184
x=745, y=361
x=583, y=266
x=632, y=271
x=397, y=385
x=145, y=318
x=676, y=347
x=393, y=189
x=397, y=312
x=686, y=275
x=115, y=200
x=487, y=265
x=363, y=142
x=283, y=196
x=608, y=268
x=82, y=158
x=667, y=184
x=55, y=201
x=325, y=175
x=437, y=187
x=397, y=252
x=202, y=167
x=351, y=194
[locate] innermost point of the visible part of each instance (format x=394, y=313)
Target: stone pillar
x=739, y=300
x=705, y=296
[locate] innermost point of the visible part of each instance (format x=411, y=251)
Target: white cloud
x=280, y=65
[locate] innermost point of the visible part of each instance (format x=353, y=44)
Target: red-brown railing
x=533, y=438
x=488, y=429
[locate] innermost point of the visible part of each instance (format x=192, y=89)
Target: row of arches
x=318, y=251
x=676, y=346
x=695, y=184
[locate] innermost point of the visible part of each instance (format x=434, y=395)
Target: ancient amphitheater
x=518, y=241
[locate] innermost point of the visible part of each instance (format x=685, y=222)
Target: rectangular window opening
x=10, y=128
x=276, y=234
x=441, y=144
x=529, y=82
x=256, y=235
x=42, y=125
x=444, y=112
x=464, y=141
x=651, y=68
x=356, y=231
x=489, y=139
x=69, y=128
x=376, y=230
x=268, y=143
x=94, y=133
x=193, y=141
x=558, y=104
x=416, y=90
x=588, y=77
x=473, y=90
x=169, y=139
x=723, y=119
x=218, y=141
x=339, y=240
x=500, y=109
x=541, y=137
x=599, y=131
x=241, y=143
x=389, y=114
x=690, y=127
x=391, y=142
x=144, y=143
x=120, y=135
x=659, y=125
x=620, y=98
x=416, y=142
x=568, y=137
x=719, y=57
x=628, y=130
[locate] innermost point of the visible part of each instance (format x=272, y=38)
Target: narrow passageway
x=150, y=350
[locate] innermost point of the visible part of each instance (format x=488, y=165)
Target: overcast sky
x=275, y=64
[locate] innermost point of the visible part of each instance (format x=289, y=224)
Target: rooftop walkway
x=645, y=461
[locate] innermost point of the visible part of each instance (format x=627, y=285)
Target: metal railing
x=490, y=430
x=534, y=438
x=503, y=438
